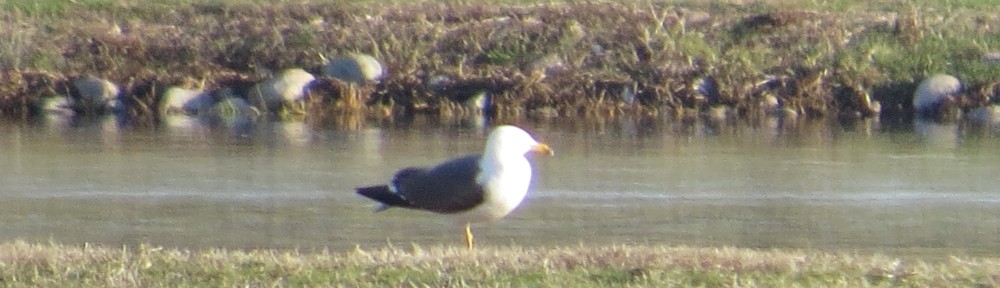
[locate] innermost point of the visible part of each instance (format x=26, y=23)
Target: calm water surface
x=923, y=189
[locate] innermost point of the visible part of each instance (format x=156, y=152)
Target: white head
x=511, y=141
x=505, y=173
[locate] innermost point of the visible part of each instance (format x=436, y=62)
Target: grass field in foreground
x=54, y=265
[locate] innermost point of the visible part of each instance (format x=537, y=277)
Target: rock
x=57, y=105
x=354, y=68
x=770, y=103
x=936, y=95
x=626, y=96
x=992, y=57
x=542, y=66
x=697, y=18
x=479, y=102
x=708, y=89
x=274, y=93
x=987, y=115
x=232, y=107
x=94, y=94
x=177, y=100
x=235, y=115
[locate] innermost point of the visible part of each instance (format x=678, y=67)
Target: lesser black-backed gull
x=473, y=188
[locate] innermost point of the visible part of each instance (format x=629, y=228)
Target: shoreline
x=685, y=60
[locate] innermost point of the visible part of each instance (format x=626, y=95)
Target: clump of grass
x=55, y=265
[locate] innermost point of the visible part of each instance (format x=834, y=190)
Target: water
x=910, y=189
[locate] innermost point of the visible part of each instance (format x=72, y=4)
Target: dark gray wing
x=448, y=188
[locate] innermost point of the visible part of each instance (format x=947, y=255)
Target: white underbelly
x=505, y=185
x=488, y=211
x=504, y=199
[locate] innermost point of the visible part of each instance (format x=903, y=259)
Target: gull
x=474, y=188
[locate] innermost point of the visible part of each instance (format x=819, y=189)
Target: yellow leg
x=468, y=235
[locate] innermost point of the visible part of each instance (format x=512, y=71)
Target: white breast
x=505, y=185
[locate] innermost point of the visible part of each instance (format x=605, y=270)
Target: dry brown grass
x=570, y=58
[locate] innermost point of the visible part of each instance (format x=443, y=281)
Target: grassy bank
x=53, y=265
x=841, y=58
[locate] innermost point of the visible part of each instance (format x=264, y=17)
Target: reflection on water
x=916, y=188
x=940, y=135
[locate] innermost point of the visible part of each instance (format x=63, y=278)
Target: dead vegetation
x=584, y=59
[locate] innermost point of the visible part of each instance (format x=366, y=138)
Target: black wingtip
x=383, y=195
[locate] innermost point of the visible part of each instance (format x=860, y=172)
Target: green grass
x=53, y=265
